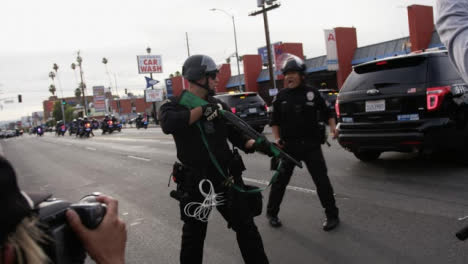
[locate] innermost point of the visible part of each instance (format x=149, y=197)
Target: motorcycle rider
x=58, y=127
x=139, y=120
x=86, y=121
x=95, y=123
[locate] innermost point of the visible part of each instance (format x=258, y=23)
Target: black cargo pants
x=235, y=211
x=315, y=163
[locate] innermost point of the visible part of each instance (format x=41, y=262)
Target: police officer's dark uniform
x=297, y=112
x=197, y=165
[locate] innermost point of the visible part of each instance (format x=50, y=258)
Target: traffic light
x=125, y=90
x=64, y=102
x=20, y=99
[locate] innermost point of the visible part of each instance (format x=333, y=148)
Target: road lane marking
x=294, y=188
x=138, y=158
x=90, y=148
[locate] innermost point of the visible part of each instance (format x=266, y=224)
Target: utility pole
x=188, y=49
x=264, y=11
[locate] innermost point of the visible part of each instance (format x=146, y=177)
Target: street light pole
x=148, y=50
x=235, y=43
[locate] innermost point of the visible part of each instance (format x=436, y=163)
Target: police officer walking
x=191, y=129
x=297, y=111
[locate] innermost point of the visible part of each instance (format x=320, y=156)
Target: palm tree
x=52, y=89
x=78, y=93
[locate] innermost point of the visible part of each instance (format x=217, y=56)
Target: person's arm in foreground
x=106, y=243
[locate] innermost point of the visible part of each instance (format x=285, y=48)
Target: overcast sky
x=35, y=34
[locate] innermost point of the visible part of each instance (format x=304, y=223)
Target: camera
x=61, y=245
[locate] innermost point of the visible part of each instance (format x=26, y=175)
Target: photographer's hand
x=105, y=244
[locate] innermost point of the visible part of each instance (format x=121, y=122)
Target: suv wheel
x=368, y=155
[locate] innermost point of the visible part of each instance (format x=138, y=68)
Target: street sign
x=169, y=87
x=149, y=64
x=99, y=98
x=155, y=95
x=150, y=82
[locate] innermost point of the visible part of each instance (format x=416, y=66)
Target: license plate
x=410, y=117
x=252, y=110
x=375, y=105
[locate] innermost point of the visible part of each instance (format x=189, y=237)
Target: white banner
x=155, y=95
x=149, y=64
x=332, y=54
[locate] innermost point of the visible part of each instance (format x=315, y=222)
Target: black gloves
x=263, y=146
x=210, y=111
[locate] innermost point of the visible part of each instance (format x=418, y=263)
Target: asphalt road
x=399, y=209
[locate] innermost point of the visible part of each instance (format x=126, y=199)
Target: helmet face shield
x=209, y=64
x=197, y=67
x=291, y=63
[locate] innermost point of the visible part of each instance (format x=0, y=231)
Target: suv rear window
x=236, y=99
x=407, y=70
x=441, y=70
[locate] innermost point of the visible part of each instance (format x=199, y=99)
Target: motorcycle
x=87, y=130
x=62, y=130
x=108, y=127
x=117, y=126
x=142, y=123
x=40, y=131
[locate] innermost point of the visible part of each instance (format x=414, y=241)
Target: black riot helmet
x=198, y=66
x=292, y=63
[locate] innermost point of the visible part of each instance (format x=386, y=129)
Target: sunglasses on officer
x=212, y=74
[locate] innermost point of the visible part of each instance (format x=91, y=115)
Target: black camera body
x=62, y=245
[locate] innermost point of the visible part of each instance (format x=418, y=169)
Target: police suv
x=415, y=102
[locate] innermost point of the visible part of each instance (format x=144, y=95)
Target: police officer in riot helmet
x=190, y=127
x=298, y=111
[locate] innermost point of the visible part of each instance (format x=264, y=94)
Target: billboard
x=99, y=99
x=332, y=54
x=149, y=64
x=263, y=52
x=155, y=95
x=169, y=90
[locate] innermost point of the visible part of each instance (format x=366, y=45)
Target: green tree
x=52, y=89
x=57, y=113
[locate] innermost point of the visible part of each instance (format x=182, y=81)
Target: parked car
x=415, y=102
x=249, y=106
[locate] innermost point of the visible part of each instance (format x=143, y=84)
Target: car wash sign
x=149, y=64
x=332, y=54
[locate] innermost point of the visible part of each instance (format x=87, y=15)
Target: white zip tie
x=201, y=211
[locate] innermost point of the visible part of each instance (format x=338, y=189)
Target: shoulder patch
x=310, y=96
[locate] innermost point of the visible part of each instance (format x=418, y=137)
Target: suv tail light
x=435, y=96
x=233, y=110
x=266, y=107
x=337, y=108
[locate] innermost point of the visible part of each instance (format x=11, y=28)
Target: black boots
x=331, y=223
x=274, y=221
